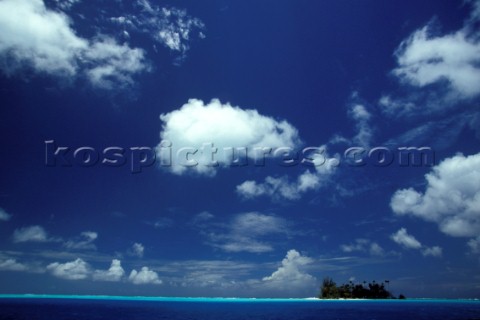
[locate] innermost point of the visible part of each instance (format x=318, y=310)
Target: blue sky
x=121, y=82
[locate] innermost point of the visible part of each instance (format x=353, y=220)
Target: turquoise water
x=121, y=307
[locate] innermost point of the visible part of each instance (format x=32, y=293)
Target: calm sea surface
x=99, y=307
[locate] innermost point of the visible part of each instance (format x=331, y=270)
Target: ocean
x=50, y=307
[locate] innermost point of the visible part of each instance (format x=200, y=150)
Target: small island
x=373, y=290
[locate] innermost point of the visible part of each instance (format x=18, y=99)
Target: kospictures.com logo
x=166, y=155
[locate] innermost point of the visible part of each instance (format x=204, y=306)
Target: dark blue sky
x=330, y=75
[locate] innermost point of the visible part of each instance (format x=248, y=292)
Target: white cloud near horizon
x=73, y=270
x=451, y=198
x=144, y=276
x=12, y=265
x=114, y=274
x=224, y=126
x=31, y=35
x=4, y=215
x=408, y=241
x=291, y=274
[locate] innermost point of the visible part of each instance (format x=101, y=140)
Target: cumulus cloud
x=410, y=242
x=214, y=129
x=31, y=35
x=31, y=234
x=406, y=240
x=73, y=270
x=137, y=250
x=12, y=265
x=245, y=232
x=113, y=274
x=144, y=276
x=451, y=198
x=4, y=215
x=363, y=245
x=84, y=242
x=291, y=273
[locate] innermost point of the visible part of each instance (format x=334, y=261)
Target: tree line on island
x=372, y=290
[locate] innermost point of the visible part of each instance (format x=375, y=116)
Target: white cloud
x=66, y=4
x=113, y=64
x=43, y=38
x=451, y=198
x=406, y=240
x=137, y=250
x=223, y=125
x=424, y=59
x=144, y=276
x=171, y=27
x=245, y=231
x=113, y=274
x=364, y=130
x=84, y=242
x=163, y=223
x=444, y=67
x=255, y=223
x=34, y=36
x=282, y=187
x=364, y=135
x=376, y=249
x=31, y=234
x=291, y=273
x=434, y=251
x=177, y=32
x=12, y=265
x=202, y=217
x=438, y=134
x=74, y=270
x=363, y=245
x=474, y=245
x=4, y=215
x=409, y=242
